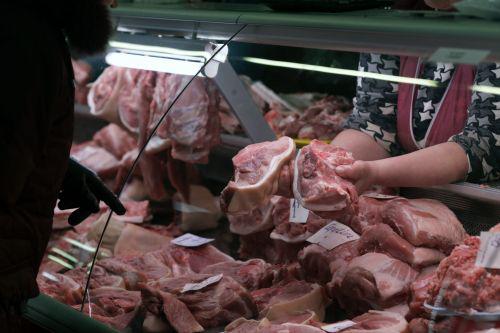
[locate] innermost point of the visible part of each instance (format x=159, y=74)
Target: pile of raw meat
x=323, y=120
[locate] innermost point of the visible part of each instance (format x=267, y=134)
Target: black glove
x=82, y=189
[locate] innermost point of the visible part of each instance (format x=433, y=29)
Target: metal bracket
x=242, y=104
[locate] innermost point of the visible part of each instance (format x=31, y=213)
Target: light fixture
x=157, y=49
x=341, y=71
x=486, y=89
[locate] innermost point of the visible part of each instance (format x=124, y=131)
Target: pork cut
x=372, y=281
x=460, y=285
x=424, y=222
x=258, y=245
x=105, y=93
x=264, y=326
x=95, y=158
x=419, y=291
x=369, y=213
x=135, y=240
x=256, y=176
x=60, y=287
x=290, y=297
x=113, y=306
x=214, y=305
x=252, y=274
x=317, y=186
x=381, y=238
x=378, y=322
x=319, y=264
x=257, y=220
x=115, y=140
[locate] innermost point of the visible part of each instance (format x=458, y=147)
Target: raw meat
x=215, y=305
x=463, y=286
x=319, y=264
x=256, y=176
x=100, y=278
x=242, y=325
x=424, y=222
x=316, y=185
x=60, y=287
x=178, y=314
x=82, y=71
x=453, y=325
x=369, y=213
x=193, y=123
x=291, y=232
x=115, y=140
x=378, y=322
x=381, y=238
x=113, y=306
x=419, y=291
x=257, y=220
x=105, y=92
x=290, y=297
x=373, y=280
x=96, y=158
x=258, y=245
x=135, y=270
x=135, y=240
x=252, y=274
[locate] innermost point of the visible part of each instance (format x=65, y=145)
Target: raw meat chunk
x=378, y=322
x=257, y=220
x=424, y=222
x=290, y=297
x=135, y=240
x=419, y=290
x=381, y=238
x=258, y=245
x=369, y=213
x=96, y=158
x=60, y=287
x=105, y=92
x=373, y=280
x=215, y=305
x=256, y=176
x=178, y=314
x=252, y=274
x=265, y=326
x=316, y=184
x=115, y=140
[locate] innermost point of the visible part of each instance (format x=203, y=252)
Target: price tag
x=337, y=327
x=298, y=214
x=333, y=235
x=488, y=255
x=200, y=285
x=190, y=240
x=380, y=196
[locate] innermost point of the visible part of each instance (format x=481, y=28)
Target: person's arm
x=437, y=165
x=370, y=132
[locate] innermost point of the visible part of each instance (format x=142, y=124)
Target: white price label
x=488, y=255
x=200, y=285
x=298, y=214
x=380, y=196
x=190, y=240
x=338, y=327
x=333, y=235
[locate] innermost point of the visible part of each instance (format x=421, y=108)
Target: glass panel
x=246, y=257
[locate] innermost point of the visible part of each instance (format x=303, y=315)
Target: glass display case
x=191, y=98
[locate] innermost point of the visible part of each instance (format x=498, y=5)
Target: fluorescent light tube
x=158, y=49
x=340, y=71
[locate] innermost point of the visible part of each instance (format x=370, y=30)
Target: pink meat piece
x=193, y=123
x=273, y=118
x=253, y=326
x=462, y=285
x=115, y=140
x=135, y=240
x=319, y=264
x=373, y=280
x=424, y=222
x=252, y=274
x=381, y=238
x=115, y=307
x=105, y=93
x=419, y=291
x=378, y=322
x=369, y=213
x=215, y=305
x=453, y=325
x=135, y=96
x=100, y=278
x=60, y=287
x=257, y=220
x=178, y=314
x=257, y=172
x=96, y=158
x=258, y=245
x=117, y=267
x=316, y=184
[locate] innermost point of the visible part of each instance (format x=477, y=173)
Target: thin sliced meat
x=257, y=172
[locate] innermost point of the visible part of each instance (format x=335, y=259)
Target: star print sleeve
x=376, y=102
x=481, y=136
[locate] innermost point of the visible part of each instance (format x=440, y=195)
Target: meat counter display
x=287, y=244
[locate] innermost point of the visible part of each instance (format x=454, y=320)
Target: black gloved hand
x=82, y=189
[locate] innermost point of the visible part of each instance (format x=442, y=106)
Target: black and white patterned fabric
x=375, y=111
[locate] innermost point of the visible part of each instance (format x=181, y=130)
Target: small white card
x=488, y=255
x=298, y=214
x=190, y=240
x=337, y=327
x=200, y=285
x=380, y=196
x=333, y=235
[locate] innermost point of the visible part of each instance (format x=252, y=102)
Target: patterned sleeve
x=481, y=136
x=375, y=104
